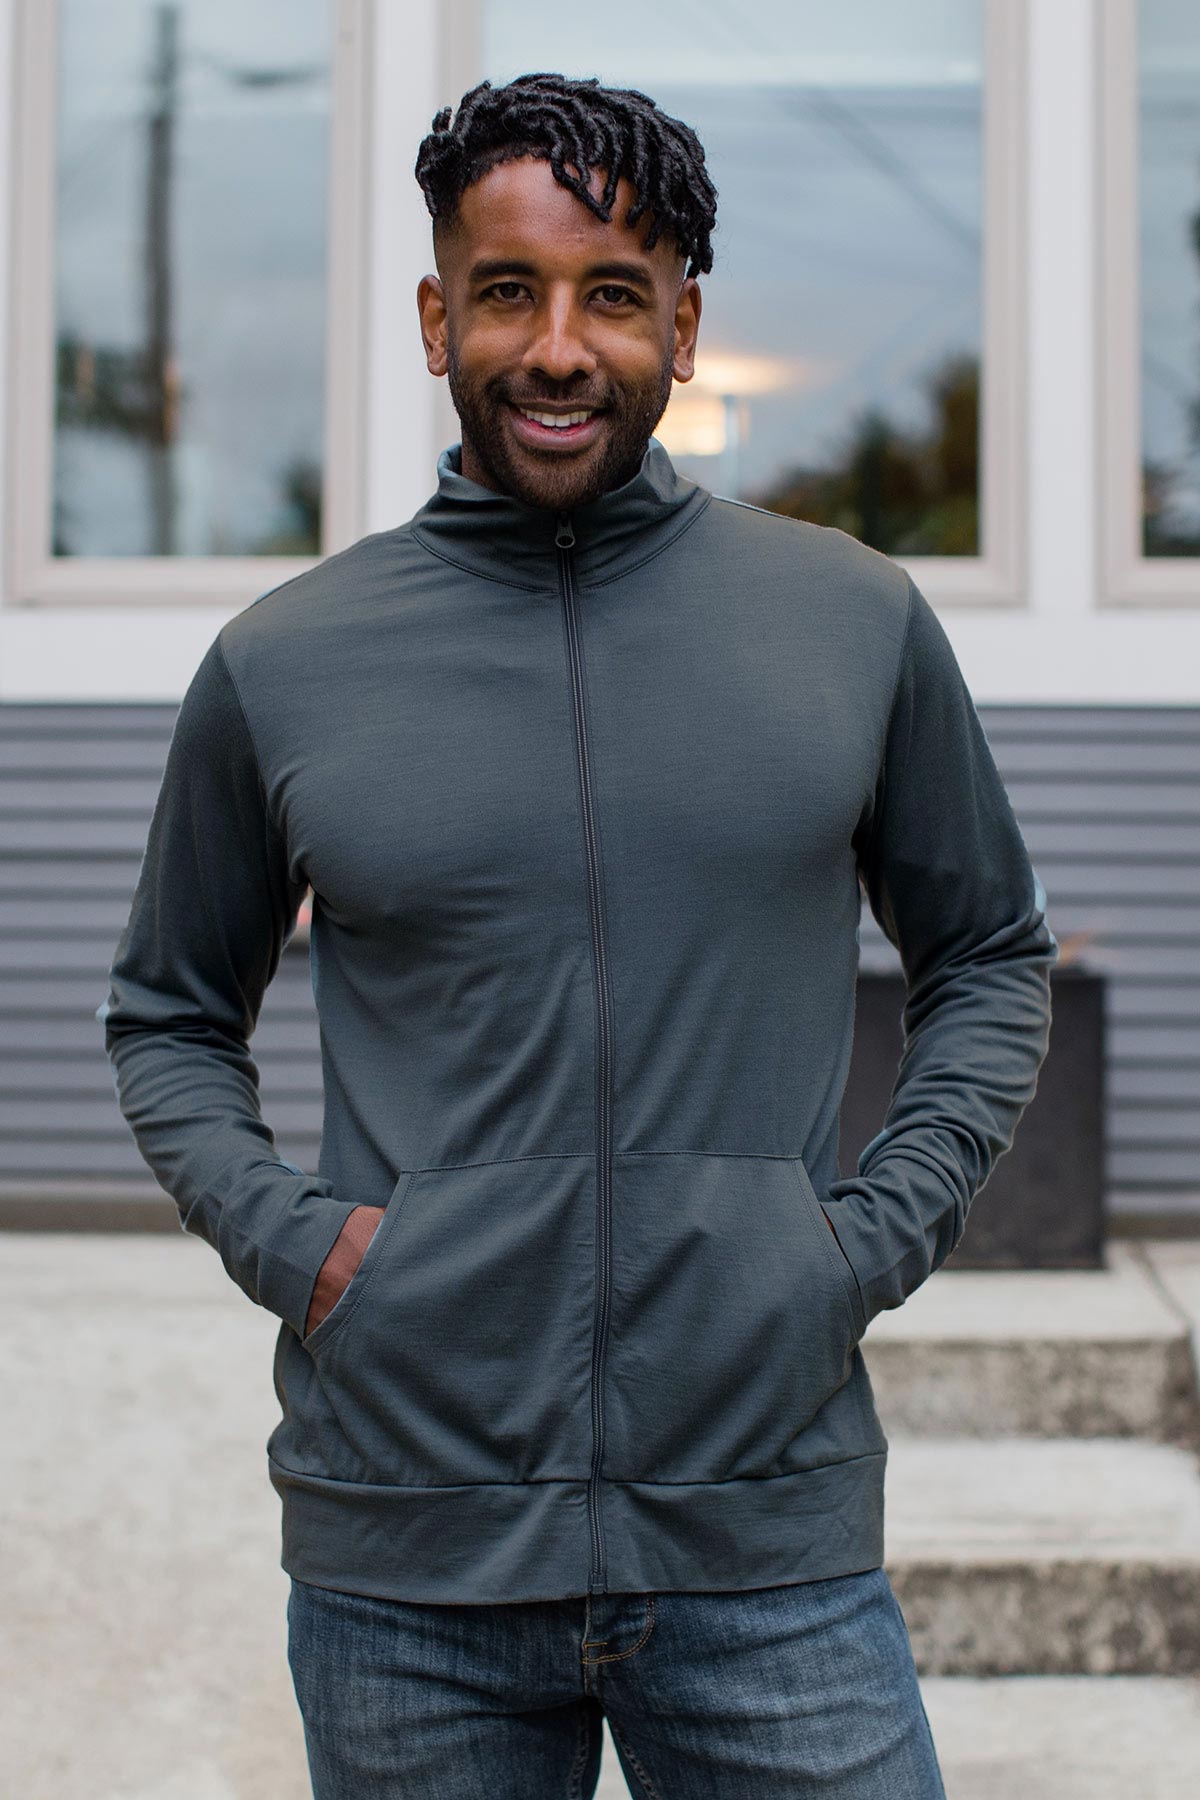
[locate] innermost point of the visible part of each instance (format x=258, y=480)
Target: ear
x=431, y=308
x=687, y=326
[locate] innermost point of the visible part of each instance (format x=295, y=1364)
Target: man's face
x=540, y=307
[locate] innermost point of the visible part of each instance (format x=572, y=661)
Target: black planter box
x=1043, y=1205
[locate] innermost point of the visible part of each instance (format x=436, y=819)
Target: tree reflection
x=301, y=535
x=904, y=492
x=135, y=392
x=1167, y=490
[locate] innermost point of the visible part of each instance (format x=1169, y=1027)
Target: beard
x=556, y=479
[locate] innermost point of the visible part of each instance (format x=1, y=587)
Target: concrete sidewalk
x=143, y=1649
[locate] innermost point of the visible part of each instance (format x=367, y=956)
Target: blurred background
x=955, y=311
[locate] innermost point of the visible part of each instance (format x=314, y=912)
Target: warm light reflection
x=710, y=415
x=693, y=424
x=737, y=372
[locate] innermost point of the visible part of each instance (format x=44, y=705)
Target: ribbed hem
x=491, y=1543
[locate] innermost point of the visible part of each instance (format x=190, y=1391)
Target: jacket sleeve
x=213, y=907
x=947, y=875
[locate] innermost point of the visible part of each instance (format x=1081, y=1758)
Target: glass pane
x=838, y=371
x=192, y=164
x=1169, y=252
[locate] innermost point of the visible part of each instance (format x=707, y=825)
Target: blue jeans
x=807, y=1689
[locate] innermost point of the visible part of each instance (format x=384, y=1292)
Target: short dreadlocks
x=558, y=119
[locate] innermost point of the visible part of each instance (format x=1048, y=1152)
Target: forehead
x=519, y=210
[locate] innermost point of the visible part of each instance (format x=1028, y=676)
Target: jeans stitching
x=575, y=1780
x=619, y=1655
x=634, y=1762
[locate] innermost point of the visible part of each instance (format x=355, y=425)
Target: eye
x=616, y=296
x=497, y=287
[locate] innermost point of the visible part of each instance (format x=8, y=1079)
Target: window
x=186, y=368
x=858, y=359
x=1150, y=340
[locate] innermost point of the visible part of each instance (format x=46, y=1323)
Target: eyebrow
x=488, y=268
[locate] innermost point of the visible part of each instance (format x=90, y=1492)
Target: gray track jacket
x=588, y=806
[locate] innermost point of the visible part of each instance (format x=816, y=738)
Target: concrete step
x=1042, y=1353
x=1054, y=1557
x=1121, y=1737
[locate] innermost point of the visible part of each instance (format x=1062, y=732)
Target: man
x=588, y=771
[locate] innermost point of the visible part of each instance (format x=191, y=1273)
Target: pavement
x=142, y=1622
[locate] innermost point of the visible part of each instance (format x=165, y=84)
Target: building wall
x=1093, y=707
x=1107, y=798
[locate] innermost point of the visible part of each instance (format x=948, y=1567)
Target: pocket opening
x=731, y=1331
x=348, y=1300
x=846, y=1276
x=464, y=1352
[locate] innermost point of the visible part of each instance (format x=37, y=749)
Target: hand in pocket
x=338, y=1269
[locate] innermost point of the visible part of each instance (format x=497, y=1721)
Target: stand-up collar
x=497, y=536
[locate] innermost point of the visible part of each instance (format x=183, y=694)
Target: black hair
x=556, y=119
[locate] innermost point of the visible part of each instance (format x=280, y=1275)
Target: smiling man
x=589, y=771
x=559, y=329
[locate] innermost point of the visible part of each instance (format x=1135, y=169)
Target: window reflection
x=838, y=372
x=192, y=165
x=1169, y=226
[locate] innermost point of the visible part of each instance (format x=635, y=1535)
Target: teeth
x=557, y=421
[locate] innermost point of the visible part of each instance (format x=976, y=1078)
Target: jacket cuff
x=894, y=1231
x=278, y=1268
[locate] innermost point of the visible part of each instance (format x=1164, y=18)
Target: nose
x=558, y=348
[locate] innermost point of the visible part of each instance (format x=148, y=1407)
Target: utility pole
x=162, y=373
x=139, y=391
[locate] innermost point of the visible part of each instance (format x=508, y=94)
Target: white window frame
x=33, y=578
x=998, y=576
x=1128, y=577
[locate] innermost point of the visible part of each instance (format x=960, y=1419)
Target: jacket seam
x=726, y=1480
x=328, y=562
x=882, y=770
x=524, y=587
x=747, y=1155
x=268, y=816
x=492, y=1162
x=619, y=574
x=768, y=510
x=422, y=1487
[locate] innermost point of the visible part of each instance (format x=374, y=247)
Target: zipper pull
x=564, y=537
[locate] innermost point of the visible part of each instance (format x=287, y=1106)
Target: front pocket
x=343, y=1307
x=842, y=1269
x=731, y=1319
x=465, y=1354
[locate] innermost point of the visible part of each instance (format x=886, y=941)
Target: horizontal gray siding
x=77, y=787
x=1108, y=799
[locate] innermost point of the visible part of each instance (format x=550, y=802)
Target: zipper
x=564, y=539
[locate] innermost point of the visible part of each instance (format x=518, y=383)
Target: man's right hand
x=341, y=1263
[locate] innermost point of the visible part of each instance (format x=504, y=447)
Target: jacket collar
x=496, y=536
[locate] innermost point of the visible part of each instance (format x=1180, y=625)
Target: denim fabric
x=808, y=1689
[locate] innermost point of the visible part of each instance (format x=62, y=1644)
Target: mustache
x=577, y=402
